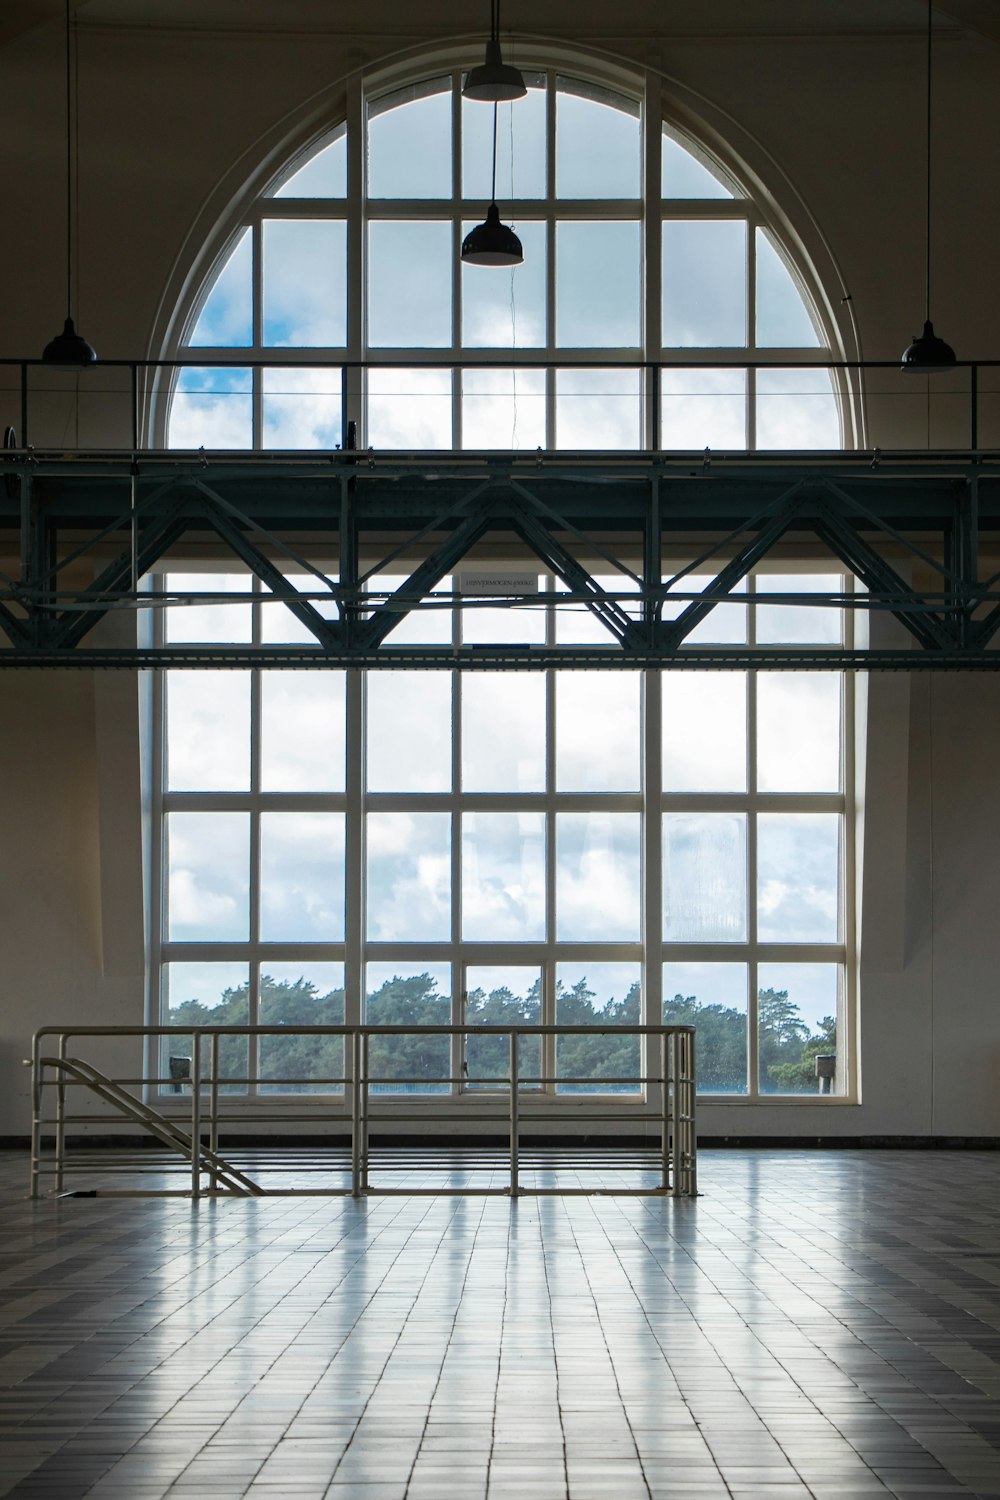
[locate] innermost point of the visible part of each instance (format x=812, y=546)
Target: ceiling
x=767, y=17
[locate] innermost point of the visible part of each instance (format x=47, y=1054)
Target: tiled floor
x=816, y=1324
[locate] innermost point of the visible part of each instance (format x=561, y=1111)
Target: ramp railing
x=199, y=1118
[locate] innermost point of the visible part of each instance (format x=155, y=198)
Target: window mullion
x=357, y=275
x=652, y=135
x=753, y=1050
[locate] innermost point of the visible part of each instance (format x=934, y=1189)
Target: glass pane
x=577, y=623
x=598, y=409
x=409, y=877
x=598, y=146
x=302, y=731
x=211, y=408
x=208, y=731
x=798, y=731
x=798, y=877
x=818, y=623
x=783, y=319
x=598, y=994
x=597, y=731
x=210, y=623
x=506, y=309
x=303, y=994
x=520, y=147
x=503, y=877
x=503, y=732
x=503, y=409
x=685, y=175
x=712, y=997
x=415, y=995
x=409, y=408
x=598, y=277
x=409, y=142
x=725, y=624
x=797, y=409
x=409, y=731
x=502, y=995
x=704, y=283
x=302, y=408
x=211, y=994
x=409, y=284
x=226, y=316
x=430, y=626
x=305, y=282
x=797, y=1011
x=704, y=731
x=703, y=408
x=279, y=627
x=705, y=877
x=324, y=175
x=302, y=877
x=597, y=877
x=208, y=876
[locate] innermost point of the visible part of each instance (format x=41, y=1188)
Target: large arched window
x=639, y=246
x=470, y=846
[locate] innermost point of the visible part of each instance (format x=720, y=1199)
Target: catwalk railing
x=196, y=1130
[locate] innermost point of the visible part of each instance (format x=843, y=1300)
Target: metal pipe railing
x=670, y=1083
x=150, y=380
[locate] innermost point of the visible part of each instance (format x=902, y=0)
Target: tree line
x=418, y=1063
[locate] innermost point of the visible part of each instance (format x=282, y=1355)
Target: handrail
x=144, y=374
x=670, y=1068
x=159, y=1125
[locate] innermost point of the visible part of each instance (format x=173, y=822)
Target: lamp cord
x=930, y=27
x=493, y=180
x=69, y=170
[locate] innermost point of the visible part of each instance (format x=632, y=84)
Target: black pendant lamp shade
x=927, y=354
x=69, y=350
x=492, y=243
x=495, y=82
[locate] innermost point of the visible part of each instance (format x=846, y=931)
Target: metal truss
x=83, y=533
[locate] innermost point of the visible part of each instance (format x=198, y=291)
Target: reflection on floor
x=816, y=1324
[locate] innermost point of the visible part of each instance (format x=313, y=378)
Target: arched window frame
x=653, y=949
x=755, y=205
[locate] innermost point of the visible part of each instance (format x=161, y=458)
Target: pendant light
x=69, y=350
x=492, y=243
x=495, y=81
x=928, y=354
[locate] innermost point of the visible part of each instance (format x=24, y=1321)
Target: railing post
x=213, y=1120
x=134, y=369
x=364, y=1111
x=356, y=1115
x=673, y=1112
x=691, y=1138
x=974, y=406
x=37, y=1094
x=664, y=1112
x=514, y=1122
x=196, y=1115
x=61, y=1117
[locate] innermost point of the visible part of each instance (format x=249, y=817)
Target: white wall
x=173, y=122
